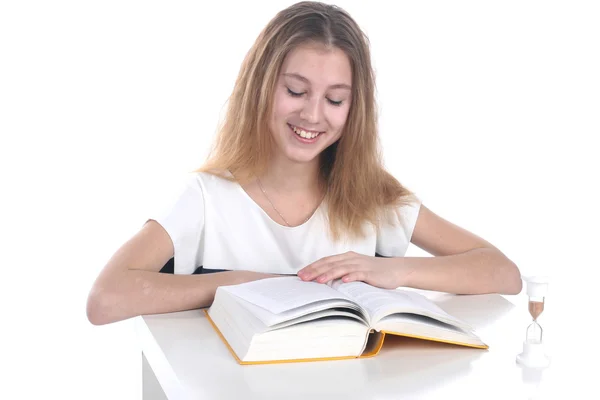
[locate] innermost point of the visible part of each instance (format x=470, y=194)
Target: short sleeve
x=183, y=219
x=393, y=236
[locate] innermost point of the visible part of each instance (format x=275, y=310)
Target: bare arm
x=464, y=262
x=130, y=284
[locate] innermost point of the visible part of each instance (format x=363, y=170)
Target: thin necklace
x=277, y=211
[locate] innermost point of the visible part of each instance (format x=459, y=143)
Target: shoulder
x=214, y=190
x=404, y=211
x=207, y=182
x=409, y=204
x=215, y=184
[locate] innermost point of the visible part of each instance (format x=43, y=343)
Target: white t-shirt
x=214, y=223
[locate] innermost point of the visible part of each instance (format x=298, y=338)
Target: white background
x=489, y=111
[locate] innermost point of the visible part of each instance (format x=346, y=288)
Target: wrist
x=400, y=271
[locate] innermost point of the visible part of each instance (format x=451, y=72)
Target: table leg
x=151, y=389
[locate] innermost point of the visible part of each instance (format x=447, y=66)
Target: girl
x=295, y=185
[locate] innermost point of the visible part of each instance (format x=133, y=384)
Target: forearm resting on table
x=478, y=271
x=139, y=292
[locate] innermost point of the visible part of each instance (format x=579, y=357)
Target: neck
x=291, y=177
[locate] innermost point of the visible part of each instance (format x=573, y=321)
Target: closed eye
x=332, y=102
x=294, y=94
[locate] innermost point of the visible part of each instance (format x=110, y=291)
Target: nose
x=312, y=110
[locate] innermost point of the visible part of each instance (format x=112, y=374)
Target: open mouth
x=303, y=135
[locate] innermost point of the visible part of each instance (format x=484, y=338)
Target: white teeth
x=304, y=134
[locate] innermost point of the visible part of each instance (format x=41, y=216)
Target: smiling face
x=311, y=101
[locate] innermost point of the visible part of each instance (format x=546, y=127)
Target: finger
x=337, y=257
x=334, y=258
x=355, y=276
x=336, y=272
x=315, y=268
x=318, y=270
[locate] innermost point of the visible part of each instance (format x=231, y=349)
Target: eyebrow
x=303, y=79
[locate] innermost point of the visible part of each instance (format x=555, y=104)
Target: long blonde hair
x=359, y=189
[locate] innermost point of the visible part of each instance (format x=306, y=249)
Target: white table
x=183, y=358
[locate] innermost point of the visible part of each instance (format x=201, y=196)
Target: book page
x=279, y=295
x=309, y=312
x=380, y=303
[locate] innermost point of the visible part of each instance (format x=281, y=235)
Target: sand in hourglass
x=536, y=308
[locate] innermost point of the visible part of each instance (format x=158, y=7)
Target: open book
x=285, y=319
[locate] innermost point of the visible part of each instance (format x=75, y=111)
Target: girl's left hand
x=376, y=271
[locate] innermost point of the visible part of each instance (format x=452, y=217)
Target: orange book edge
x=374, y=352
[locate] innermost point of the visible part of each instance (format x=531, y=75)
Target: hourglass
x=533, y=348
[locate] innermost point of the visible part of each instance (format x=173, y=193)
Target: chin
x=301, y=157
